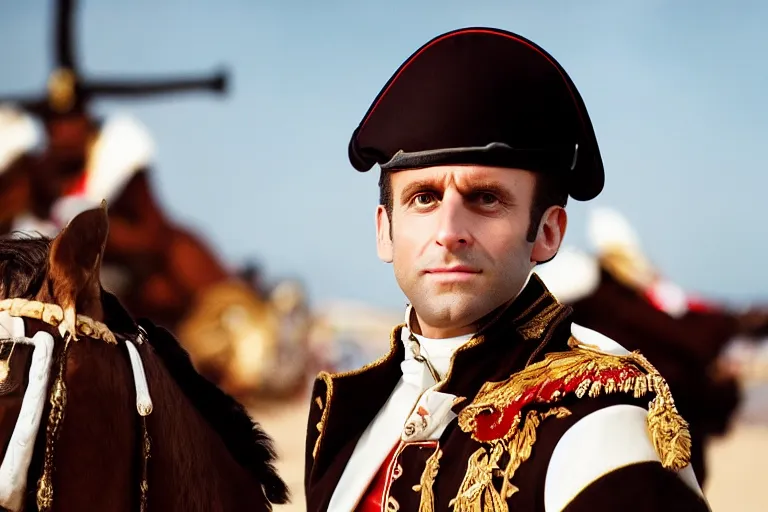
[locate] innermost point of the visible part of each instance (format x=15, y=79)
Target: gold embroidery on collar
x=328, y=377
x=432, y=466
x=533, y=306
x=535, y=327
x=319, y=426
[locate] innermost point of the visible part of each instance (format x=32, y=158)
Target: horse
x=99, y=411
x=156, y=266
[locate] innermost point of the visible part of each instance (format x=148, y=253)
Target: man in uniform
x=490, y=397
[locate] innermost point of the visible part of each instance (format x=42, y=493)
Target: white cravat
x=384, y=431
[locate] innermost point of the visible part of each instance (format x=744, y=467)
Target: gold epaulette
x=504, y=415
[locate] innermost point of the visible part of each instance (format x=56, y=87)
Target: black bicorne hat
x=482, y=96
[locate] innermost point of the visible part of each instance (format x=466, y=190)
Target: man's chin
x=458, y=311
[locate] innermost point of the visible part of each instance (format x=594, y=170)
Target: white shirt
x=384, y=431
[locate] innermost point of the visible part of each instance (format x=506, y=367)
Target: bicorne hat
x=482, y=96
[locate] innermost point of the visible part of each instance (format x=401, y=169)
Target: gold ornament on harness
x=53, y=315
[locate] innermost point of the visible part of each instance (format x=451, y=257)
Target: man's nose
x=453, y=231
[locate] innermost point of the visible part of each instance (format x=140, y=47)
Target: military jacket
x=549, y=416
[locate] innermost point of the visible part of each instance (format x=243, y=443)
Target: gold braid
x=58, y=402
x=145, y=447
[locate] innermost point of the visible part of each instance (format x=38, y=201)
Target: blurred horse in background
x=620, y=293
x=157, y=267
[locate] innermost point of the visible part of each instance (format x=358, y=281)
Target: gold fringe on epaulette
x=669, y=431
x=597, y=373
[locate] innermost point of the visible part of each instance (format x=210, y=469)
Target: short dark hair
x=549, y=191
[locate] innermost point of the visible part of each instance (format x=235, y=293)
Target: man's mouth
x=453, y=273
x=456, y=269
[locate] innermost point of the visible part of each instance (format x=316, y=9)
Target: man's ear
x=74, y=265
x=383, y=236
x=550, y=234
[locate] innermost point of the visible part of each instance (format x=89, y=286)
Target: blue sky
x=675, y=90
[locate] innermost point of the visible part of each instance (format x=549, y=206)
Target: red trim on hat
x=469, y=31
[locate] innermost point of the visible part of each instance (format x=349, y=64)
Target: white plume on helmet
x=607, y=229
x=18, y=135
x=123, y=147
x=572, y=274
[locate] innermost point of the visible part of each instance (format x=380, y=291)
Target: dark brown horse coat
x=508, y=350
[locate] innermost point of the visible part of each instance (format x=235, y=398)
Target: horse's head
x=49, y=295
x=71, y=355
x=63, y=271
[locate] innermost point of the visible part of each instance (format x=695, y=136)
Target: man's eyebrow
x=490, y=186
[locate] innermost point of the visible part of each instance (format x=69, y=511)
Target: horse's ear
x=75, y=265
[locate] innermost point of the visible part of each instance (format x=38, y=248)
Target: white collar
x=438, y=352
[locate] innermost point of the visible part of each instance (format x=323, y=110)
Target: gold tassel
x=427, y=502
x=58, y=402
x=669, y=431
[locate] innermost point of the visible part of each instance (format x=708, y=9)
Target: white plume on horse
x=19, y=134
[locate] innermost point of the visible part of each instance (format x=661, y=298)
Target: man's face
x=458, y=242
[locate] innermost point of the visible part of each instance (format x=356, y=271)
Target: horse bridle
x=14, y=467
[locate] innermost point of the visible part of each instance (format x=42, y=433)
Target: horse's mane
x=23, y=265
x=250, y=446
x=23, y=268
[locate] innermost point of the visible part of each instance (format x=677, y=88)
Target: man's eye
x=487, y=199
x=424, y=199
